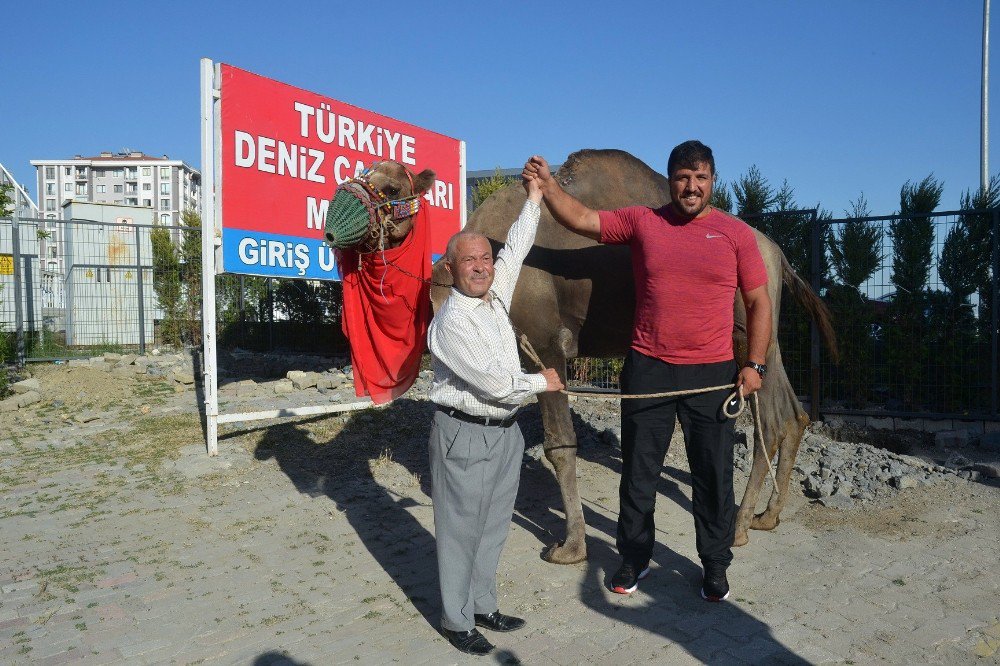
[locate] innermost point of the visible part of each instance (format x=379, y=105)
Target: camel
x=575, y=297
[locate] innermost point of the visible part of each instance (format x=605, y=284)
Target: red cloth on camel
x=386, y=313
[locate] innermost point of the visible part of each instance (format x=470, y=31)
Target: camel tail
x=817, y=309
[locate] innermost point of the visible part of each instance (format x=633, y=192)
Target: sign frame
x=213, y=260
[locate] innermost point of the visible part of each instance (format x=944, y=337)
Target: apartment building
x=130, y=178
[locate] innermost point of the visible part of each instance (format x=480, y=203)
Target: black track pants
x=647, y=425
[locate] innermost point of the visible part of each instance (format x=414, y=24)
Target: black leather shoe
x=469, y=642
x=497, y=621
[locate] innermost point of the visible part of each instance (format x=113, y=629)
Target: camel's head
x=375, y=210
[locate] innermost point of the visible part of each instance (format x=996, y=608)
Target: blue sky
x=839, y=98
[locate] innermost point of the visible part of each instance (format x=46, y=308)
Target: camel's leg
x=560, y=450
x=787, y=452
x=754, y=484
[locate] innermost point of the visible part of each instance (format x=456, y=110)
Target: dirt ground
x=125, y=543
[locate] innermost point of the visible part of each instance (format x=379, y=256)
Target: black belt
x=479, y=420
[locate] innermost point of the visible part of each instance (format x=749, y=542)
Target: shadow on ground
x=340, y=467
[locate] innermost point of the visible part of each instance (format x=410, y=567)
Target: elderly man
x=688, y=260
x=475, y=444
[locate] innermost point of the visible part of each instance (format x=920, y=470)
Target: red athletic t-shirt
x=686, y=274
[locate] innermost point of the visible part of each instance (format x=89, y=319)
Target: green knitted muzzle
x=347, y=220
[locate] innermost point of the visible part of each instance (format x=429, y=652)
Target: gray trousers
x=475, y=471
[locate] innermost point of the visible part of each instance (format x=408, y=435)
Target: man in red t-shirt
x=688, y=259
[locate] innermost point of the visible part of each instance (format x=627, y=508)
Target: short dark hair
x=689, y=155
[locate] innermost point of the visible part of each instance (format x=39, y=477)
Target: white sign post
x=270, y=185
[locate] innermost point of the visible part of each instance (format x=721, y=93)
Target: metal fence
x=80, y=287
x=917, y=336
x=916, y=326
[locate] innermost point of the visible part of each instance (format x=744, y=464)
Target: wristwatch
x=759, y=367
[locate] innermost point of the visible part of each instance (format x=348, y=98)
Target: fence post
x=139, y=285
x=995, y=229
x=241, y=307
x=816, y=247
x=15, y=241
x=270, y=315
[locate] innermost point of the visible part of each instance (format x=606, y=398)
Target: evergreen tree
x=190, y=256
x=484, y=188
x=912, y=236
x=167, y=283
x=958, y=342
x=6, y=200
x=721, y=198
x=980, y=239
x=754, y=195
x=855, y=255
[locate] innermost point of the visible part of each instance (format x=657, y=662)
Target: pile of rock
x=26, y=392
x=841, y=473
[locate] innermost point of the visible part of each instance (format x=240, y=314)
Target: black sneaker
x=627, y=578
x=715, y=586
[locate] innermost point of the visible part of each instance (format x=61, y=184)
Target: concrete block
x=937, y=425
x=902, y=423
x=182, y=377
x=29, y=398
x=990, y=440
x=952, y=438
x=972, y=427
x=880, y=422
x=26, y=386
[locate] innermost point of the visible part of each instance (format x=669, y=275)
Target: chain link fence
x=911, y=298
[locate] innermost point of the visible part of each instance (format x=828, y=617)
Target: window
x=50, y=172
x=53, y=252
x=164, y=204
x=131, y=188
x=101, y=189
x=164, y=172
x=69, y=171
x=146, y=187
x=132, y=173
x=50, y=188
x=119, y=189
x=67, y=187
x=116, y=173
x=146, y=171
x=81, y=188
x=131, y=201
x=148, y=203
x=50, y=204
x=98, y=173
x=164, y=219
x=164, y=188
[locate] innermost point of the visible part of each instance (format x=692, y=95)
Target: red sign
x=284, y=152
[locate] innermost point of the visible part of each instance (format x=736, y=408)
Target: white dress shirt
x=473, y=348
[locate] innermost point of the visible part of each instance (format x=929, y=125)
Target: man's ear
x=423, y=181
x=447, y=267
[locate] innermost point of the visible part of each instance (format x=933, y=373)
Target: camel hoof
x=562, y=554
x=762, y=522
x=741, y=539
